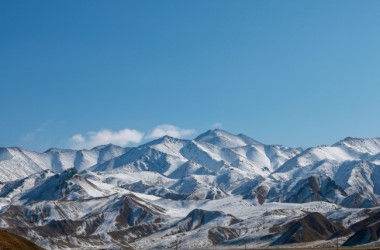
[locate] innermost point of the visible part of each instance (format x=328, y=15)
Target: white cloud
x=78, y=138
x=170, y=130
x=125, y=137
x=216, y=125
x=122, y=138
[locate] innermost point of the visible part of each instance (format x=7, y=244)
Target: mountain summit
x=209, y=188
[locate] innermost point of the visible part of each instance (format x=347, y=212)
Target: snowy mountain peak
x=249, y=140
x=361, y=145
x=5, y=154
x=195, y=193
x=55, y=150
x=109, y=145
x=224, y=139
x=165, y=140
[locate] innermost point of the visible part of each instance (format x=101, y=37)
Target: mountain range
x=218, y=189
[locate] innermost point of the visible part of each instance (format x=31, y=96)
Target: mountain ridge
x=100, y=196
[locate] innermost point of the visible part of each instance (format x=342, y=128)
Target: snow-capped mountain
x=217, y=189
x=16, y=163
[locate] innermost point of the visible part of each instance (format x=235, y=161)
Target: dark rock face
x=315, y=188
x=131, y=234
x=199, y=217
x=54, y=188
x=373, y=218
x=133, y=212
x=364, y=236
x=11, y=241
x=366, y=231
x=261, y=194
x=221, y=234
x=358, y=200
x=312, y=227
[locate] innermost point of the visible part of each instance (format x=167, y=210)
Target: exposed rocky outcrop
x=366, y=231
x=312, y=227
x=10, y=241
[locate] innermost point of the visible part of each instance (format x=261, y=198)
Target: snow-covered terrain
x=219, y=189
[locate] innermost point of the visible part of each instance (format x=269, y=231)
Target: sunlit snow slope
x=218, y=189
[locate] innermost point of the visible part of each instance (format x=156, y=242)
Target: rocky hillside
x=217, y=189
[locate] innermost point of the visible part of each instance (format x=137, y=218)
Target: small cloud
x=170, y=130
x=122, y=138
x=216, y=125
x=78, y=138
x=125, y=136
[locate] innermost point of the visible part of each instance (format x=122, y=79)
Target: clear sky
x=77, y=73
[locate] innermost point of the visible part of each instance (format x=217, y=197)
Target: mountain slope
x=11, y=241
x=29, y=162
x=312, y=227
x=218, y=189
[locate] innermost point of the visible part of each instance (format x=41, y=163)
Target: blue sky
x=76, y=73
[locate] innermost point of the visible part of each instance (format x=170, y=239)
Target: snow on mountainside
x=345, y=168
x=217, y=189
x=68, y=185
x=224, y=139
x=369, y=146
x=16, y=163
